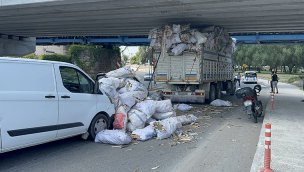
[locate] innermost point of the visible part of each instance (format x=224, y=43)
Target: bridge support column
x=16, y=45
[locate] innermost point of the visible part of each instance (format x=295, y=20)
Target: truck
x=194, y=77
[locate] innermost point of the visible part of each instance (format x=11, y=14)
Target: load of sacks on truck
x=175, y=39
x=137, y=114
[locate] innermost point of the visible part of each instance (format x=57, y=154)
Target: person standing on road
x=272, y=72
x=274, y=82
x=238, y=78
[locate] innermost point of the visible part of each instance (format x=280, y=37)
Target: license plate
x=247, y=103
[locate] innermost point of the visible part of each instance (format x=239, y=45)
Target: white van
x=42, y=101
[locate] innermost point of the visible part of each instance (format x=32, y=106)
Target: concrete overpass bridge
x=20, y=19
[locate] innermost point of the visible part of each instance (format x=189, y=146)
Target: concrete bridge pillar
x=16, y=46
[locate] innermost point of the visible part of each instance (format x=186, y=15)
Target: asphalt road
x=226, y=141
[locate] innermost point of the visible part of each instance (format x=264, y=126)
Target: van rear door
x=28, y=103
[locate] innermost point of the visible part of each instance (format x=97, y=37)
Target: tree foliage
x=275, y=56
x=142, y=56
x=92, y=59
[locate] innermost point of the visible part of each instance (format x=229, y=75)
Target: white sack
x=182, y=107
x=150, y=120
x=161, y=116
x=137, y=119
x=123, y=72
x=155, y=96
x=113, y=82
x=129, y=99
x=186, y=119
x=145, y=133
x=148, y=107
x=123, y=90
x=115, y=137
x=163, y=106
x=132, y=85
x=166, y=127
x=108, y=90
x=176, y=28
x=200, y=37
x=179, y=49
x=193, y=40
x=175, y=39
x=219, y=102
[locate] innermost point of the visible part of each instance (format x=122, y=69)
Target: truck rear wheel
x=230, y=88
x=212, y=93
x=219, y=90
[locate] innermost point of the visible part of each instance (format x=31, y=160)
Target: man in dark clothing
x=274, y=82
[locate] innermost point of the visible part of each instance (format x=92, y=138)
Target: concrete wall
x=54, y=49
x=14, y=46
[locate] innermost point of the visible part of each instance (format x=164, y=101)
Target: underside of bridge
x=137, y=17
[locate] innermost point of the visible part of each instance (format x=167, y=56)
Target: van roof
x=18, y=59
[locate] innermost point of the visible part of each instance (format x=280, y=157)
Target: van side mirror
x=96, y=86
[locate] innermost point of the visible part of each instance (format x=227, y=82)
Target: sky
x=129, y=51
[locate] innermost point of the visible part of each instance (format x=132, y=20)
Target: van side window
x=86, y=86
x=75, y=81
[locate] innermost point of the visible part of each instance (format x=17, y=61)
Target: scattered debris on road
x=138, y=116
x=154, y=168
x=219, y=102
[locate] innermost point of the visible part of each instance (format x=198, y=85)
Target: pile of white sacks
x=176, y=39
x=136, y=113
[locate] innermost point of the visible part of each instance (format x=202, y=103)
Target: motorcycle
x=252, y=105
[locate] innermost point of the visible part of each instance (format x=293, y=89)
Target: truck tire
x=212, y=93
x=219, y=90
x=230, y=88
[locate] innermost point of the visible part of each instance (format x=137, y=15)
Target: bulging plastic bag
x=186, y=119
x=148, y=107
x=132, y=85
x=163, y=106
x=182, y=107
x=137, y=119
x=145, y=133
x=219, y=102
x=123, y=72
x=115, y=137
x=161, y=116
x=176, y=28
x=120, y=119
x=129, y=99
x=113, y=82
x=155, y=96
x=175, y=39
x=179, y=49
x=166, y=127
x=200, y=37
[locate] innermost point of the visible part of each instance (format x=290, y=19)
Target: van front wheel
x=100, y=122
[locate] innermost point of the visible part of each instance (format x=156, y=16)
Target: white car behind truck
x=42, y=101
x=194, y=76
